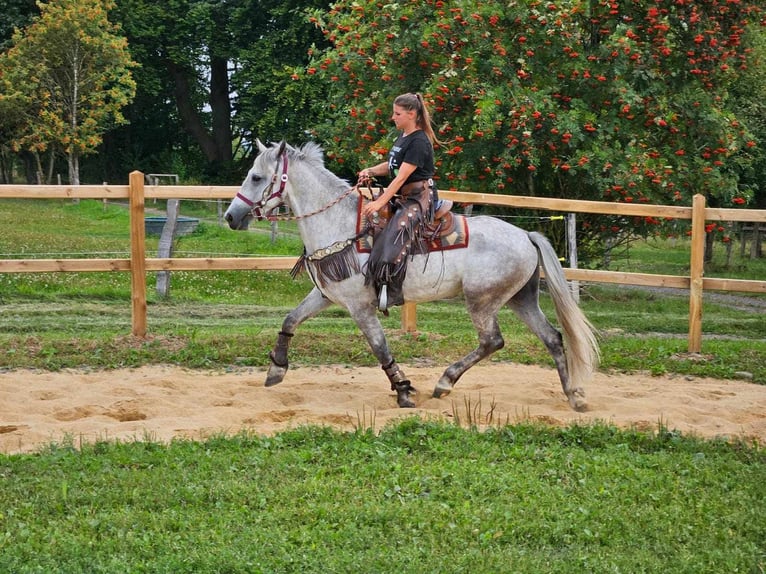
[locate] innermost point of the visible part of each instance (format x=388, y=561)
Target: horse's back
x=499, y=258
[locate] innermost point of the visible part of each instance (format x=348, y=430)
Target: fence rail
x=136, y=192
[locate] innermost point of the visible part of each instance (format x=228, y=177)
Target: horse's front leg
x=312, y=304
x=366, y=318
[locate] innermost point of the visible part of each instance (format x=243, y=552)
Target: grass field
x=416, y=497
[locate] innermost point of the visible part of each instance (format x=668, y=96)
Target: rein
x=333, y=263
x=335, y=201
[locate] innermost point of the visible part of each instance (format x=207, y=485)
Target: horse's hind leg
x=526, y=305
x=312, y=304
x=484, y=317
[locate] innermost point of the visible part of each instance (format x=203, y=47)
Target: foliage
x=519, y=498
x=749, y=99
x=588, y=99
x=214, y=76
x=270, y=104
x=15, y=14
x=68, y=78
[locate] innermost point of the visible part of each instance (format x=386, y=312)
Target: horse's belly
x=421, y=286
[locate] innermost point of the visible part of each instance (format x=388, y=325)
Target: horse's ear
x=261, y=148
x=294, y=152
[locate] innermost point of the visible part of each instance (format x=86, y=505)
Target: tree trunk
x=30, y=166
x=6, y=167
x=73, y=161
x=51, y=165
x=216, y=146
x=709, y=243
x=220, y=105
x=39, y=170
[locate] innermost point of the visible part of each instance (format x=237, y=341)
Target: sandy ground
x=161, y=403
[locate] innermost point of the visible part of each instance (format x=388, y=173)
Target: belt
x=416, y=186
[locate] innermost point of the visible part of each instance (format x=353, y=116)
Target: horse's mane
x=312, y=154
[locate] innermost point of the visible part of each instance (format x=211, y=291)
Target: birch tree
x=71, y=68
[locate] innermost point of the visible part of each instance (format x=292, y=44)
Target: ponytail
x=415, y=102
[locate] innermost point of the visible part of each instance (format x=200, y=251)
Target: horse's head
x=262, y=190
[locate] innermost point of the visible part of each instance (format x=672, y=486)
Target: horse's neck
x=324, y=226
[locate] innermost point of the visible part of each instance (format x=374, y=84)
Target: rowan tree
x=620, y=100
x=68, y=76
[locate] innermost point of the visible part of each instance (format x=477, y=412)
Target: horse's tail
x=582, y=349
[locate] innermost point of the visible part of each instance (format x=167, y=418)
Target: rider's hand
x=369, y=209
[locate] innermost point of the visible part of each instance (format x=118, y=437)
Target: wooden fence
x=136, y=192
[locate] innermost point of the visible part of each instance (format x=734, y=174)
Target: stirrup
x=383, y=298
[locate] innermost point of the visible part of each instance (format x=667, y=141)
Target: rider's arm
x=376, y=170
x=405, y=170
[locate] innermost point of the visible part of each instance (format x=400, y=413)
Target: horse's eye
x=255, y=178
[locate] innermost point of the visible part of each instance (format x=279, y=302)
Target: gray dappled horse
x=499, y=267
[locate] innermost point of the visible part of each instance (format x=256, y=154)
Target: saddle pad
x=454, y=234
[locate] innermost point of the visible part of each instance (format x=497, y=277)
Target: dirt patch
x=162, y=403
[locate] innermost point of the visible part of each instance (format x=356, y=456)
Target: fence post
x=165, y=247
x=696, y=271
x=409, y=317
x=137, y=253
x=574, y=285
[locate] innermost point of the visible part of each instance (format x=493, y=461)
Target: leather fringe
x=329, y=268
x=299, y=267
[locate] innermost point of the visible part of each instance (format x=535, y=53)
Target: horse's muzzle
x=239, y=225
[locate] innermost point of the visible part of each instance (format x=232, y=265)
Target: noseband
x=256, y=207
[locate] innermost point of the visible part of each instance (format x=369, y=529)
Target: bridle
x=256, y=207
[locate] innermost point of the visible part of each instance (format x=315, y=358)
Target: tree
x=749, y=99
x=15, y=14
x=274, y=37
x=70, y=69
x=591, y=99
x=225, y=69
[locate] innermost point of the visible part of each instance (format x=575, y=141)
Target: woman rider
x=410, y=166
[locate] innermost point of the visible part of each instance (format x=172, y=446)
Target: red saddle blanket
x=449, y=231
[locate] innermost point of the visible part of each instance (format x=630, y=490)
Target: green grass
x=219, y=319
x=671, y=257
x=416, y=497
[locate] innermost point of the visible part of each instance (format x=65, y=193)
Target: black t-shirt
x=415, y=149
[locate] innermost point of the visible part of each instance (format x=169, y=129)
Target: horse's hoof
x=275, y=375
x=404, y=401
x=577, y=401
x=442, y=388
x=404, y=391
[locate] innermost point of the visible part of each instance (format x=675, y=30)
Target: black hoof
x=404, y=401
x=403, y=392
x=275, y=375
